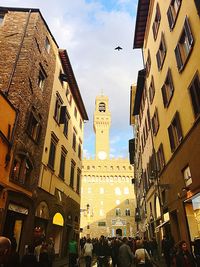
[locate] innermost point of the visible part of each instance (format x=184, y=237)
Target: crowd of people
x=115, y=252
x=128, y=252
x=41, y=254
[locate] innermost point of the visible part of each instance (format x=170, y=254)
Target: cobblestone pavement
x=64, y=263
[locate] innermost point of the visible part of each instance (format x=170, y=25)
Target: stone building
x=39, y=190
x=107, y=197
x=168, y=34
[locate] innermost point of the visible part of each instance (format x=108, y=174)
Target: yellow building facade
x=168, y=34
x=107, y=193
x=62, y=158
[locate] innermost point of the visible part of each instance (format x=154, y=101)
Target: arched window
x=22, y=169
x=102, y=107
x=118, y=212
x=127, y=212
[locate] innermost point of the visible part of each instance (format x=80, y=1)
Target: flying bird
x=118, y=48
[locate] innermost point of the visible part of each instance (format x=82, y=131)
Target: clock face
x=102, y=155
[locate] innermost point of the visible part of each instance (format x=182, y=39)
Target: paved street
x=64, y=263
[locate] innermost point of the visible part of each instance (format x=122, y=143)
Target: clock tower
x=102, y=121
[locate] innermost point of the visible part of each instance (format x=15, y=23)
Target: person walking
x=103, y=252
x=73, y=253
x=166, y=249
x=88, y=248
x=142, y=257
x=184, y=258
x=125, y=255
x=51, y=251
x=29, y=259
x=13, y=259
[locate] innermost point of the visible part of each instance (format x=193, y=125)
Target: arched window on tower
x=102, y=107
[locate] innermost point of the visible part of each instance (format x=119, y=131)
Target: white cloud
x=90, y=33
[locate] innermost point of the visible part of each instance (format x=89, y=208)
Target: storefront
x=192, y=210
x=41, y=221
x=57, y=231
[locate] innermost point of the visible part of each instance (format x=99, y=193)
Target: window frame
x=175, y=132
x=195, y=95
x=156, y=23
x=172, y=13
x=52, y=151
x=72, y=173
x=151, y=90
x=62, y=163
x=155, y=122
x=161, y=53
x=34, y=130
x=183, y=49
x=160, y=157
x=167, y=89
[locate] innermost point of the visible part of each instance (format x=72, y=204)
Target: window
x=160, y=158
x=127, y=212
x=117, y=191
x=101, y=190
x=155, y=122
x=73, y=164
x=81, y=124
x=102, y=107
x=156, y=22
x=184, y=46
x=195, y=94
x=21, y=170
x=79, y=151
x=47, y=45
x=118, y=212
x=126, y=191
x=66, y=125
x=89, y=190
x=172, y=12
x=175, y=132
x=151, y=90
x=101, y=224
x=2, y=15
x=117, y=202
x=41, y=77
x=62, y=163
x=74, y=141
x=160, y=55
x=197, y=3
x=78, y=182
x=75, y=112
x=34, y=127
x=127, y=201
x=148, y=64
x=57, y=110
x=52, y=151
x=167, y=89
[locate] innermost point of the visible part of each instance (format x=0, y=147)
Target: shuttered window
x=195, y=94
x=175, y=132
x=160, y=158
x=172, y=12
x=155, y=122
x=161, y=53
x=156, y=22
x=151, y=90
x=167, y=89
x=184, y=46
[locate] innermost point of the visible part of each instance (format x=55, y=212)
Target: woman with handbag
x=142, y=257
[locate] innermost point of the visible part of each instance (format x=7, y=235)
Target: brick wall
x=24, y=91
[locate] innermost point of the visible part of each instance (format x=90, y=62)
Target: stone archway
x=118, y=232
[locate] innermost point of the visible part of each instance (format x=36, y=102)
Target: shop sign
x=19, y=209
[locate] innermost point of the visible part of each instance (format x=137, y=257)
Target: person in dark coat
x=29, y=259
x=103, y=252
x=14, y=259
x=125, y=255
x=166, y=250
x=184, y=258
x=5, y=246
x=115, y=245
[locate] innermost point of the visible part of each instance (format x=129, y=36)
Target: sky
x=90, y=30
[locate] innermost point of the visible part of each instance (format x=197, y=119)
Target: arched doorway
x=119, y=232
x=58, y=223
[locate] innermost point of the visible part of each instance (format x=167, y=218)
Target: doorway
x=119, y=232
